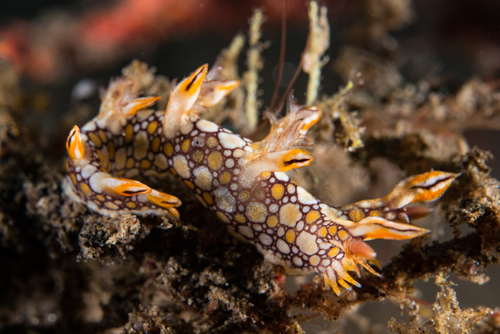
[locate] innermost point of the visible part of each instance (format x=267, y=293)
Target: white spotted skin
x=247, y=209
x=201, y=164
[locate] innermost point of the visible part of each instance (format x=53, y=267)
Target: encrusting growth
x=241, y=181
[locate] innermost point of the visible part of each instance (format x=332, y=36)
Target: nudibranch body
x=243, y=182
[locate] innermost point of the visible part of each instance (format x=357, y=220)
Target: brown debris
x=448, y=316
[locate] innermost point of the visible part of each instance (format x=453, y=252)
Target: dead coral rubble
x=449, y=317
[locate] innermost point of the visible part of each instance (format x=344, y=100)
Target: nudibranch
x=243, y=182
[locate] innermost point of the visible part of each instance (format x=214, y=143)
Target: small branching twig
x=254, y=62
x=318, y=42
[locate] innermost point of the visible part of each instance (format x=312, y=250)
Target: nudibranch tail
x=242, y=182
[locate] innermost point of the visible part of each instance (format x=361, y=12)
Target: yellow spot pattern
x=240, y=218
x=207, y=198
x=314, y=260
x=215, y=160
x=145, y=164
x=189, y=184
x=152, y=127
x=212, y=142
x=197, y=156
x=356, y=214
x=343, y=235
x=103, y=163
x=256, y=212
x=111, y=150
x=155, y=144
x=272, y=221
x=130, y=163
x=103, y=137
x=225, y=177
x=277, y=191
x=111, y=205
x=333, y=252
x=265, y=175
x=244, y=196
x=97, y=142
x=312, y=216
x=185, y=146
x=168, y=149
x=73, y=178
x=85, y=189
x=290, y=236
x=129, y=133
